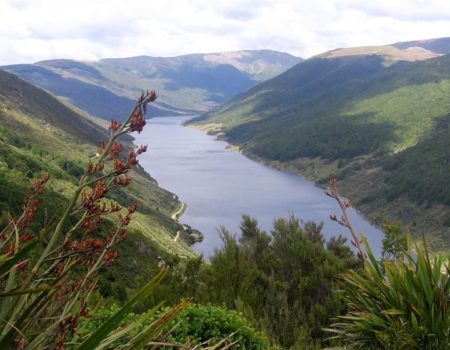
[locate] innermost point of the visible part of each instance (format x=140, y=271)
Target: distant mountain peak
x=391, y=52
x=258, y=64
x=402, y=51
x=254, y=62
x=436, y=45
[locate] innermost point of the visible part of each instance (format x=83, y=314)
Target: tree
x=285, y=282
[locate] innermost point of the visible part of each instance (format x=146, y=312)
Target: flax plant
x=47, y=277
x=400, y=303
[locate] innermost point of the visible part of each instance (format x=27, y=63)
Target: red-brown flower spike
x=31, y=205
x=151, y=96
x=100, y=166
x=59, y=342
x=114, y=207
x=122, y=181
x=74, y=252
x=114, y=126
x=90, y=225
x=90, y=168
x=132, y=208
x=122, y=234
x=38, y=185
x=84, y=311
x=119, y=166
x=137, y=121
x=132, y=159
x=124, y=220
x=25, y=237
x=99, y=190
x=115, y=150
x=109, y=257
x=142, y=149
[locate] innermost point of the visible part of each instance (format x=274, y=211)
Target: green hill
x=39, y=135
x=376, y=121
x=186, y=84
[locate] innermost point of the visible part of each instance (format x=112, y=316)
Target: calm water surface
x=219, y=185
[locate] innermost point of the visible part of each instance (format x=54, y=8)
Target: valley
x=230, y=232
x=364, y=115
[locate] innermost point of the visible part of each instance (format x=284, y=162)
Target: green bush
x=284, y=283
x=199, y=324
x=207, y=323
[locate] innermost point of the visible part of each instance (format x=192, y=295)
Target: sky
x=33, y=30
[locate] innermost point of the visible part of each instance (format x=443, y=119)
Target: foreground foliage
x=399, y=302
x=285, y=283
x=203, y=323
x=197, y=327
x=49, y=272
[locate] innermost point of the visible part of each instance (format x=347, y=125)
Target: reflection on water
x=219, y=185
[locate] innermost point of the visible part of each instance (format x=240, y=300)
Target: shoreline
x=186, y=233
x=215, y=129
x=177, y=214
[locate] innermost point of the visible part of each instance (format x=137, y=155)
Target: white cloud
x=32, y=30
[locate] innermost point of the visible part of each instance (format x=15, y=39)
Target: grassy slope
x=377, y=127
x=40, y=135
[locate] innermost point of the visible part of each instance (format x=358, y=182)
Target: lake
x=219, y=185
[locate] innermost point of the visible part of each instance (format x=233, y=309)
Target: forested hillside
x=375, y=121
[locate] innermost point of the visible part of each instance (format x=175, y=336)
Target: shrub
x=210, y=324
x=284, y=283
x=199, y=326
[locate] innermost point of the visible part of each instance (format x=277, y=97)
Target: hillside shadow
x=330, y=138
x=301, y=113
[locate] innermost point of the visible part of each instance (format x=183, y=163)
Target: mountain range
x=188, y=84
x=374, y=117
